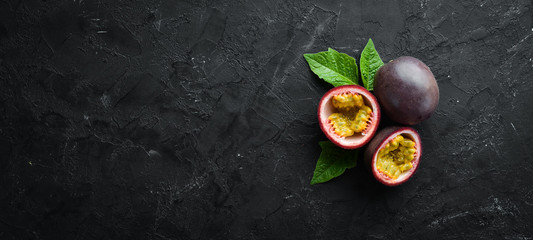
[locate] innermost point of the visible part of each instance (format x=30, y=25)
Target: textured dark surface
x=197, y=120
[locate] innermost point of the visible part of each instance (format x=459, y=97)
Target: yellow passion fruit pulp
x=352, y=114
x=395, y=158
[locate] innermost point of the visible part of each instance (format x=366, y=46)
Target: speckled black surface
x=197, y=120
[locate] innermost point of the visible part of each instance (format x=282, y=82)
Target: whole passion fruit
x=406, y=90
x=394, y=155
x=349, y=116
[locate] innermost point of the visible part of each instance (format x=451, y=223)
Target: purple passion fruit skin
x=406, y=90
x=365, y=116
x=383, y=140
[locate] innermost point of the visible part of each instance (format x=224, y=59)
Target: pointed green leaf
x=333, y=161
x=370, y=63
x=333, y=67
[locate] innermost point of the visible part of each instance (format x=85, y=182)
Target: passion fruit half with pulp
x=349, y=116
x=394, y=155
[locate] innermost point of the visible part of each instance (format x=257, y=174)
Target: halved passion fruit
x=349, y=116
x=394, y=155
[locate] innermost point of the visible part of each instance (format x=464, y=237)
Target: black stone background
x=197, y=120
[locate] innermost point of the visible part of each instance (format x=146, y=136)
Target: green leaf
x=333, y=161
x=333, y=67
x=370, y=63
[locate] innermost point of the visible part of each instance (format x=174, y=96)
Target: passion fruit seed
x=395, y=158
x=352, y=116
x=361, y=120
x=347, y=100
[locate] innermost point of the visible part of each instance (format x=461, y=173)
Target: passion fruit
x=394, y=155
x=349, y=116
x=406, y=90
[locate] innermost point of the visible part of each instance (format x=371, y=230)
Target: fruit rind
x=379, y=141
x=325, y=110
x=407, y=90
